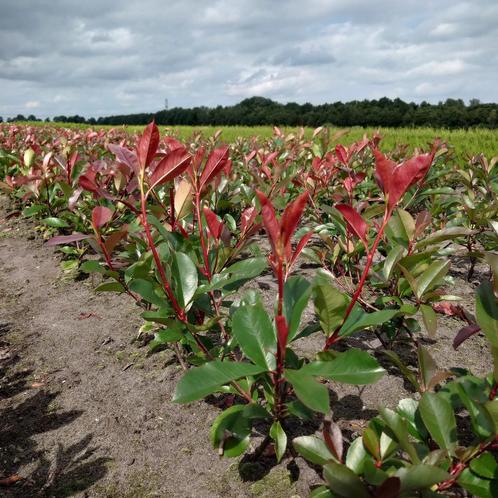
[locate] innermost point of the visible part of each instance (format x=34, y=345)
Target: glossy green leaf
x=431, y=277
x=421, y=476
x=297, y=291
x=230, y=432
x=330, y=306
x=185, y=277
x=443, y=235
x=321, y=492
x=362, y=320
x=392, y=258
x=255, y=334
x=110, y=287
x=430, y=319
x=313, y=449
x=92, y=266
x=344, y=481
x=356, y=456
x=485, y=465
x=52, y=221
x=309, y=391
x=165, y=336
x=399, y=428
x=206, y=379
x=478, y=486
x=280, y=438
x=437, y=414
x=146, y=290
x=354, y=366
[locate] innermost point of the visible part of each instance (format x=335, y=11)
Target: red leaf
x=214, y=224
x=247, y=218
x=147, y=145
x=355, y=222
x=300, y=246
x=269, y=220
x=341, y=154
x=422, y=221
x=214, y=164
x=100, y=216
x=291, y=217
x=66, y=239
x=464, y=333
x=384, y=168
x=113, y=239
x=87, y=181
x=407, y=174
x=125, y=156
x=172, y=165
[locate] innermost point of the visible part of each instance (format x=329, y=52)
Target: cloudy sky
x=101, y=57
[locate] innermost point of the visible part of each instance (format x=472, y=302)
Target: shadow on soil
x=57, y=472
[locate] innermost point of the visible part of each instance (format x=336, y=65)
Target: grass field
x=465, y=142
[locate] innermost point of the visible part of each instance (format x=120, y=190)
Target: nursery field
x=297, y=313
x=465, y=143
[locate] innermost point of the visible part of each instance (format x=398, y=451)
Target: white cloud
x=92, y=58
x=32, y=104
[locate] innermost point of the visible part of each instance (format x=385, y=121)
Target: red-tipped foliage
x=396, y=180
x=125, y=156
x=100, y=216
x=216, y=161
x=270, y=221
x=214, y=224
x=355, y=222
x=291, y=217
x=147, y=145
x=170, y=166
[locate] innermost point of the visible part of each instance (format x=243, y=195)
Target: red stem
x=180, y=313
x=334, y=337
x=201, y=235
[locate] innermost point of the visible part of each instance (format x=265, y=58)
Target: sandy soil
x=85, y=412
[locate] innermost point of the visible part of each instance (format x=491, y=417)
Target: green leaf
x=206, y=379
x=478, y=486
x=399, y=428
x=110, y=286
x=321, y=492
x=91, y=266
x=437, y=414
x=487, y=312
x=442, y=235
x=430, y=319
x=297, y=291
x=147, y=291
x=280, y=437
x=165, y=336
x=162, y=315
x=255, y=334
x=392, y=258
x=421, y=476
x=230, y=432
x=33, y=210
x=344, y=481
x=356, y=456
x=310, y=392
x=313, y=449
x=55, y=222
x=330, y=306
x=431, y=277
x=185, y=276
x=485, y=465
x=427, y=365
x=354, y=366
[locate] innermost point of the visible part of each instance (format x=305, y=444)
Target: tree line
x=256, y=111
